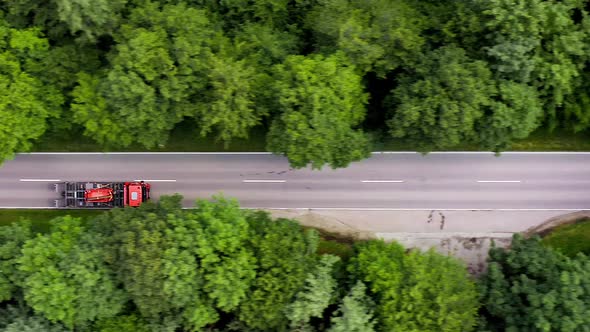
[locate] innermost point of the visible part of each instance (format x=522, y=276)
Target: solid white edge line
x=156, y=180
x=270, y=153
x=33, y=207
x=407, y=209
x=382, y=181
x=39, y=180
x=264, y=181
x=394, y=152
x=498, y=181
x=147, y=153
x=510, y=152
x=324, y=209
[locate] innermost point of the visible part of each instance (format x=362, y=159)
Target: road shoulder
x=467, y=235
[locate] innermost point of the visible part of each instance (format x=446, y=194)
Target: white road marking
x=382, y=181
x=405, y=209
x=264, y=181
x=269, y=153
x=156, y=180
x=508, y=152
x=148, y=153
x=40, y=180
x=31, y=207
x=498, y=181
x=334, y=208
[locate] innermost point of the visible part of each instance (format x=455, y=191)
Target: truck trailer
x=101, y=195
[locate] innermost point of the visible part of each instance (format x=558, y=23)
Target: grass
x=40, y=218
x=558, y=140
x=539, y=140
x=570, y=239
x=333, y=247
x=334, y=243
x=183, y=138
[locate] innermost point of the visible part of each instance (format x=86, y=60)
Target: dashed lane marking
x=39, y=180
x=382, y=181
x=499, y=181
x=264, y=181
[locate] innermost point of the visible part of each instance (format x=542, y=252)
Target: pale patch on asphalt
x=40, y=180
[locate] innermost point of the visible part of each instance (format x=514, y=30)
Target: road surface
x=385, y=181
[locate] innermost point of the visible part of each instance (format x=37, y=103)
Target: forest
x=324, y=79
x=219, y=268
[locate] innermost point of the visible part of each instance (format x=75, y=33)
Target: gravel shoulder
x=467, y=235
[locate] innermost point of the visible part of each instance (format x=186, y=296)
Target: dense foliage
x=534, y=288
x=416, y=291
x=218, y=268
x=324, y=78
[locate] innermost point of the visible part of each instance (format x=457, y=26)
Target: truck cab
x=136, y=193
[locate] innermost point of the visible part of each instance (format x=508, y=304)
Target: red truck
x=103, y=195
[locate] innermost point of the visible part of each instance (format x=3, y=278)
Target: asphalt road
x=388, y=181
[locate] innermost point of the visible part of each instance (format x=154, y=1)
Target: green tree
x=65, y=276
x=12, y=239
x=452, y=23
x=321, y=101
x=227, y=265
x=63, y=75
x=317, y=294
x=577, y=105
x=284, y=254
x=376, y=35
x=184, y=279
x=416, y=291
x=234, y=13
x=533, y=288
x=158, y=63
x=135, y=248
x=180, y=267
x=515, y=112
x=33, y=13
x=90, y=19
x=264, y=45
x=228, y=104
x=169, y=63
x=15, y=319
x=439, y=105
x=355, y=312
x=542, y=43
x=128, y=323
x=63, y=19
x=124, y=105
x=25, y=101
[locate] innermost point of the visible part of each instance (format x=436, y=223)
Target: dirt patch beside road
x=471, y=248
x=564, y=219
x=467, y=235
x=363, y=224
x=328, y=223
